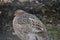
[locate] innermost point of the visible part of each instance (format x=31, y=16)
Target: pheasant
x=28, y=26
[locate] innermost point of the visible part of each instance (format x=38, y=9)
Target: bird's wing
x=37, y=25
x=32, y=22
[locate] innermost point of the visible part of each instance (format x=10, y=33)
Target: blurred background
x=48, y=11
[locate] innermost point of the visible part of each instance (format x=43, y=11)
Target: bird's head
x=19, y=12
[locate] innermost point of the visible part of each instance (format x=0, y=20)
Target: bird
x=29, y=27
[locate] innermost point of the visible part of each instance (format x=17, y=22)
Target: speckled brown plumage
x=28, y=26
